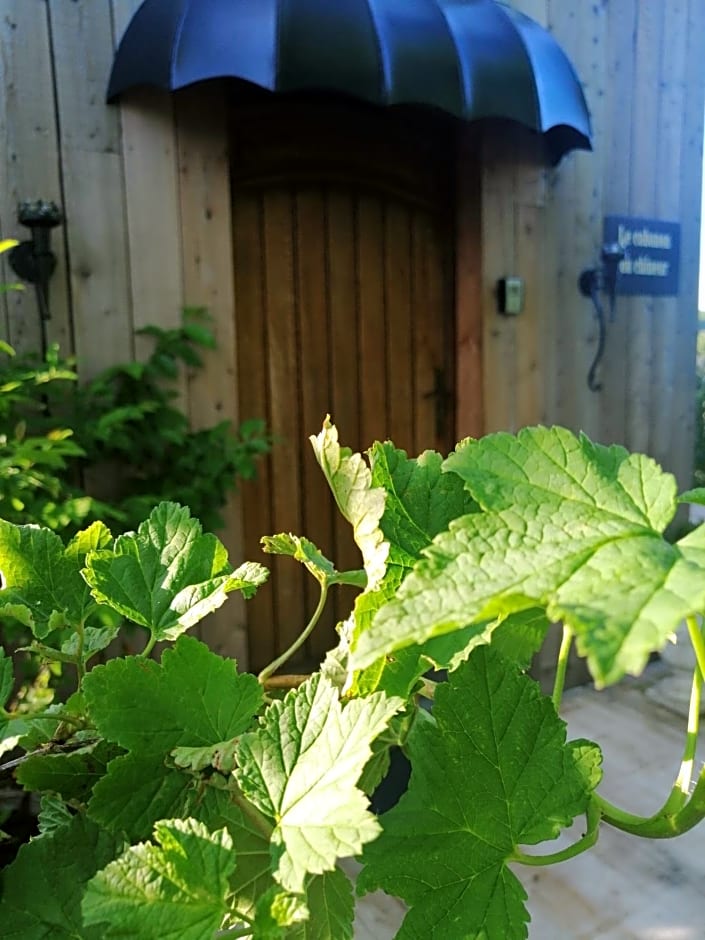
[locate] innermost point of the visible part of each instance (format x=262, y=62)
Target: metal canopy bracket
x=472, y=59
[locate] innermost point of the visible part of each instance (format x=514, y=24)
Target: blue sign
x=651, y=261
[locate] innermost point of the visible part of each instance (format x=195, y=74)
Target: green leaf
x=175, y=889
x=696, y=496
x=43, y=887
x=6, y=678
x=277, y=910
x=72, y=775
x=329, y=896
x=492, y=773
x=300, y=768
x=42, y=583
x=53, y=814
x=331, y=905
x=137, y=790
x=421, y=501
x=194, y=699
x=168, y=575
x=361, y=503
x=569, y=526
x=302, y=550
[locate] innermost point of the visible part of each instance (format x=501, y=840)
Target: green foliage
x=183, y=798
x=62, y=439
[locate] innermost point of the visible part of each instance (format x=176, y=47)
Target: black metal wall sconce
x=592, y=283
x=33, y=260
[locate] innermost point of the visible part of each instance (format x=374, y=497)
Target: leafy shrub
x=64, y=439
x=183, y=798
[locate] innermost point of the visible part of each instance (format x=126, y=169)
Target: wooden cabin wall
x=640, y=62
x=146, y=194
x=144, y=187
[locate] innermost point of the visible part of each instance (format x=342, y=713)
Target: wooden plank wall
x=144, y=187
x=638, y=62
x=145, y=190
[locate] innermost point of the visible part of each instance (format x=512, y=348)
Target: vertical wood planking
x=644, y=176
x=620, y=112
x=499, y=260
x=397, y=273
x=30, y=166
x=151, y=200
x=253, y=393
x=282, y=351
x=691, y=156
x=370, y=268
x=153, y=223
x=207, y=267
x=344, y=360
x=581, y=30
x=671, y=119
x=90, y=146
x=530, y=328
x=470, y=407
x=316, y=393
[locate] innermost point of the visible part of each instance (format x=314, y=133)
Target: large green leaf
x=194, y=699
x=420, y=502
x=169, y=574
x=569, y=526
x=492, y=773
x=42, y=888
x=361, y=503
x=300, y=770
x=176, y=889
x=41, y=580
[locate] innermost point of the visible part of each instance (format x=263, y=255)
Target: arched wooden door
x=344, y=306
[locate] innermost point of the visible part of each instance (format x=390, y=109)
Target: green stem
x=587, y=841
x=151, y=643
x=694, y=810
x=696, y=638
x=562, y=666
x=300, y=640
x=681, y=787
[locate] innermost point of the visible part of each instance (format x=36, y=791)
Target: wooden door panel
x=343, y=307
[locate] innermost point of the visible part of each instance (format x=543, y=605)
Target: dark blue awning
x=470, y=58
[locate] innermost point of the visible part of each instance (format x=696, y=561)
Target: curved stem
x=562, y=666
x=151, y=643
x=587, y=841
x=696, y=638
x=681, y=787
x=300, y=640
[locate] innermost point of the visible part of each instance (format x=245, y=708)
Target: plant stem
x=300, y=640
x=151, y=643
x=285, y=682
x=562, y=666
x=696, y=638
x=681, y=787
x=587, y=841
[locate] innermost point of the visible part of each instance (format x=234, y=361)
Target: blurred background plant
x=113, y=447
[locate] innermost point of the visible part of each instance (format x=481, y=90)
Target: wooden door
x=344, y=306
